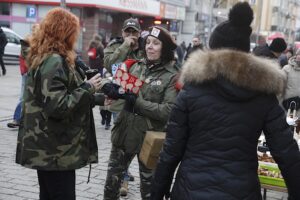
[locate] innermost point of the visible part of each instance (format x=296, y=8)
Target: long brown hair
x=57, y=33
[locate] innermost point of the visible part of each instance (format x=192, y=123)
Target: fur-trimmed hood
x=242, y=69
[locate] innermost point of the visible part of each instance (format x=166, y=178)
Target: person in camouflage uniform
x=127, y=46
x=149, y=111
x=57, y=133
x=116, y=52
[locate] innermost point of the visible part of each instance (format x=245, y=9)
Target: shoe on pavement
x=3, y=72
x=107, y=127
x=103, y=122
x=130, y=176
x=13, y=124
x=124, y=188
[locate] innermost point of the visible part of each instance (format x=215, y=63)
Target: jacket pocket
x=118, y=132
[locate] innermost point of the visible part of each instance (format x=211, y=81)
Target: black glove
x=99, y=99
x=130, y=99
x=113, y=91
x=79, y=63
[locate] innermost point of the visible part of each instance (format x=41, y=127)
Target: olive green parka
x=57, y=130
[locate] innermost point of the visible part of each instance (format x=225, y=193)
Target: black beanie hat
x=164, y=36
x=278, y=45
x=235, y=32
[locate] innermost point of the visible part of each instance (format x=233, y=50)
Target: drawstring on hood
x=90, y=170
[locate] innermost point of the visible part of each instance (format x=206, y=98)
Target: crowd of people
x=213, y=103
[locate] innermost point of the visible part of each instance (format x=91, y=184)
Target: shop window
x=220, y=4
x=76, y=11
x=4, y=9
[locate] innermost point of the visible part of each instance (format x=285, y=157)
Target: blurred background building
x=184, y=18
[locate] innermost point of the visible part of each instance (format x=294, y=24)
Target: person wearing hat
x=149, y=110
x=129, y=46
x=273, y=51
x=121, y=48
x=228, y=99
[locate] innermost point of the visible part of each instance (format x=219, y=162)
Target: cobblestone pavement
x=19, y=183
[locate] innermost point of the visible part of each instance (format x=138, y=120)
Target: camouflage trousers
x=118, y=163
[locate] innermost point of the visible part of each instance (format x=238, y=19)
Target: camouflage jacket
x=57, y=131
x=118, y=51
x=152, y=108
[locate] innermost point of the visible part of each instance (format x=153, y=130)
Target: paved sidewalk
x=19, y=183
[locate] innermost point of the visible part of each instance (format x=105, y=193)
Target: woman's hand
x=95, y=81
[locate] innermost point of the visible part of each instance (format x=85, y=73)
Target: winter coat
x=152, y=107
x=193, y=49
x=57, y=130
x=292, y=72
x=264, y=51
x=97, y=62
x=117, y=51
x=228, y=99
x=292, y=90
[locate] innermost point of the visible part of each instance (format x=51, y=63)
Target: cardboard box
x=151, y=148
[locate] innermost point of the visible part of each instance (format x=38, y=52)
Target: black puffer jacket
x=228, y=99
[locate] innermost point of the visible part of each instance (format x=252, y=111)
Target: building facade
x=96, y=16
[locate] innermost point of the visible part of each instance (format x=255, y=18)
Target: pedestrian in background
x=272, y=51
x=292, y=90
x=228, y=99
x=285, y=56
x=183, y=47
x=3, y=42
x=57, y=133
x=196, y=46
x=104, y=110
x=149, y=111
x=96, y=54
x=178, y=53
x=23, y=69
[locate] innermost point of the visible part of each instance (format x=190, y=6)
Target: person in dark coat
x=96, y=54
x=228, y=99
x=196, y=46
x=276, y=48
x=3, y=42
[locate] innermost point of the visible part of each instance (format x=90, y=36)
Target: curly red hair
x=57, y=33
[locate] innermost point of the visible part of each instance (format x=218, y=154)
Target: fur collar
x=242, y=69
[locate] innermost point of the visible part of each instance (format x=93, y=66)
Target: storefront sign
x=172, y=12
x=31, y=13
x=140, y=4
x=142, y=7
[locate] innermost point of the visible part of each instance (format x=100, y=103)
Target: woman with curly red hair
x=57, y=132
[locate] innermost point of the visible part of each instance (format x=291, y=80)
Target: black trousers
x=106, y=116
x=2, y=63
x=57, y=185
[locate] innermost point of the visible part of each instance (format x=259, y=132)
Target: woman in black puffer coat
x=228, y=99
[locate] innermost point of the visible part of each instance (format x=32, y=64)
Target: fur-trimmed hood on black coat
x=242, y=69
x=228, y=99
